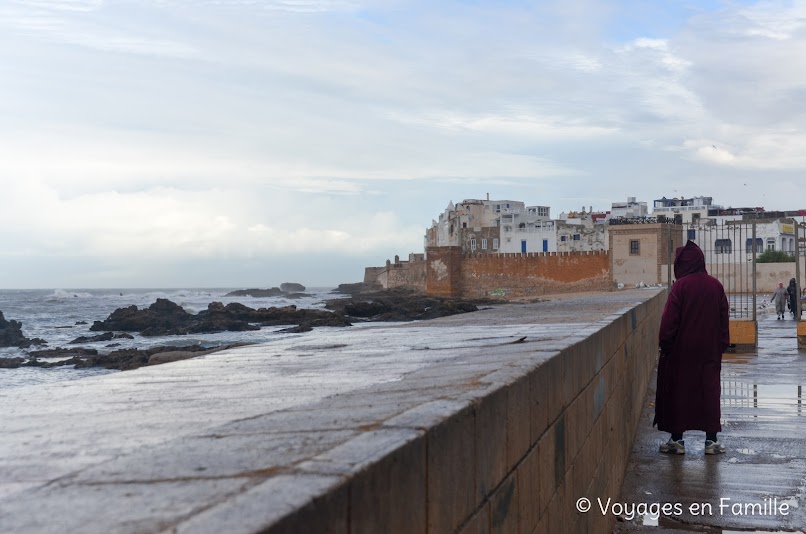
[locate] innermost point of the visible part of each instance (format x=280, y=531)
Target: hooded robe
x=693, y=335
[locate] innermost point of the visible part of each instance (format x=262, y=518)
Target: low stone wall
x=511, y=451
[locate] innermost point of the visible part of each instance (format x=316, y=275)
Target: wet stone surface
x=158, y=448
x=759, y=484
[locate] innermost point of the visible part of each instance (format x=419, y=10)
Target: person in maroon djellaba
x=693, y=335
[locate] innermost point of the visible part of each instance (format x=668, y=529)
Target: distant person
x=792, y=290
x=779, y=298
x=693, y=335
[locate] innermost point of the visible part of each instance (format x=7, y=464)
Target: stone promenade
x=760, y=482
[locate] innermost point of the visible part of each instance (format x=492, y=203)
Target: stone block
x=479, y=523
x=518, y=421
x=390, y=496
x=547, y=485
x=491, y=441
x=452, y=494
x=555, y=378
x=504, y=506
x=538, y=405
x=528, y=476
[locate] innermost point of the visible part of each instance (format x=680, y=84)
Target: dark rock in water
x=11, y=363
x=350, y=289
x=107, y=336
x=81, y=322
x=296, y=329
x=399, y=305
x=164, y=318
x=163, y=315
x=291, y=287
x=62, y=353
x=256, y=293
x=11, y=335
x=122, y=359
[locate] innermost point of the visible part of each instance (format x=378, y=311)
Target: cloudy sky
x=241, y=143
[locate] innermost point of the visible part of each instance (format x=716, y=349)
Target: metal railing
x=730, y=250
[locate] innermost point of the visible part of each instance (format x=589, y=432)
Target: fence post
x=754, y=278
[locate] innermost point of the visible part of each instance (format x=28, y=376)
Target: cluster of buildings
x=510, y=226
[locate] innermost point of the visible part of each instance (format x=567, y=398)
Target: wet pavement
x=759, y=484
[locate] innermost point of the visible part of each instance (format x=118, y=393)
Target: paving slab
x=759, y=484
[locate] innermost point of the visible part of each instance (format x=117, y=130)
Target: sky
x=246, y=143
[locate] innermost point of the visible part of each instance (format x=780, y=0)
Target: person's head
x=780, y=284
x=688, y=259
x=791, y=281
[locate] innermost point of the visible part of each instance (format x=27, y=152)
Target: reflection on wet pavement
x=765, y=464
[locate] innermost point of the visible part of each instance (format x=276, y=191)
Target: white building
x=628, y=209
x=729, y=238
x=689, y=209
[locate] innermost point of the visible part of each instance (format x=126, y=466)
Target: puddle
x=786, y=398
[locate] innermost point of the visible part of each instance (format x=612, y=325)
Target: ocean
x=52, y=315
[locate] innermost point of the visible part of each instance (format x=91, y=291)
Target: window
x=635, y=247
x=748, y=246
x=464, y=225
x=576, y=237
x=495, y=243
x=472, y=244
x=770, y=243
x=691, y=234
x=723, y=246
x=522, y=225
x=483, y=244
x=563, y=238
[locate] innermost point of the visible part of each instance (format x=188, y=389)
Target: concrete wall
x=513, y=455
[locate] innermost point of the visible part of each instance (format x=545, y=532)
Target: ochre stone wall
x=443, y=271
x=515, y=275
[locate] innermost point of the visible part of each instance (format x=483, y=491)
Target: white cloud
x=258, y=128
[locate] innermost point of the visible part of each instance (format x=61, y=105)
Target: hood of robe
x=688, y=259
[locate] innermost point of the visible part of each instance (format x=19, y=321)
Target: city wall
x=410, y=273
x=449, y=272
x=513, y=456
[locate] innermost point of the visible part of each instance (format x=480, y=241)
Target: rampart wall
x=449, y=272
x=512, y=456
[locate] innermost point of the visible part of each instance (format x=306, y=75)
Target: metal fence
x=730, y=250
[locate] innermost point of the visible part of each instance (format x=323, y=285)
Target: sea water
x=54, y=314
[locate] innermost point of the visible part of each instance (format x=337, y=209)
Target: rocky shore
x=164, y=317
x=11, y=335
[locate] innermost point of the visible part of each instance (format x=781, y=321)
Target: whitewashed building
x=629, y=209
x=688, y=209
